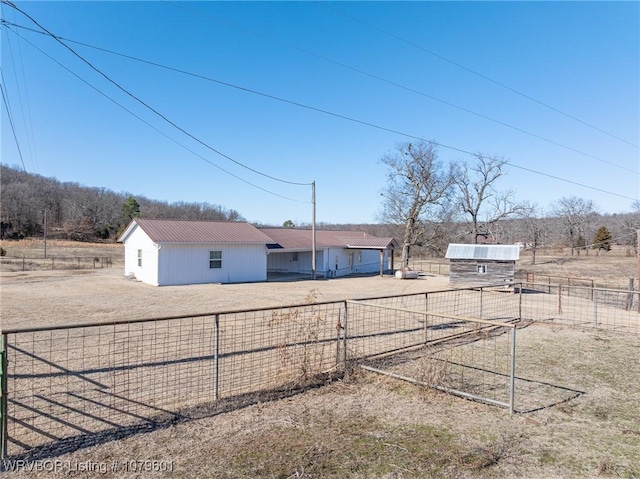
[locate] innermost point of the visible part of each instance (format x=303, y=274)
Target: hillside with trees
x=81, y=213
x=439, y=212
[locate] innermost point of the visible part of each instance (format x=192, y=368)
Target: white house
x=173, y=252
x=338, y=253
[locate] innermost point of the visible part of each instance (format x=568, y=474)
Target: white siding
x=148, y=272
x=282, y=262
x=189, y=264
x=330, y=262
x=368, y=261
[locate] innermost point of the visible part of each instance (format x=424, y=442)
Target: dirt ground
x=366, y=426
x=44, y=298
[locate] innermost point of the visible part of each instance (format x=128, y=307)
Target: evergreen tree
x=130, y=209
x=602, y=239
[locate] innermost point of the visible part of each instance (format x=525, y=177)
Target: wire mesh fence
x=463, y=355
x=51, y=263
x=81, y=382
x=69, y=383
x=598, y=308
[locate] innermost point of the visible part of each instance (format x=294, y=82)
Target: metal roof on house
x=368, y=243
x=186, y=231
x=483, y=251
x=301, y=239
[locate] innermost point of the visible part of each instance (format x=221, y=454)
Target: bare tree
x=478, y=198
x=535, y=228
x=629, y=225
x=576, y=215
x=417, y=193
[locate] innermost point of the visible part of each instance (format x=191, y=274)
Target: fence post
x=426, y=318
x=520, y=303
x=595, y=307
x=512, y=374
x=216, y=359
x=339, y=328
x=629, y=301
x=3, y=396
x=559, y=299
x=345, y=338
x=481, y=297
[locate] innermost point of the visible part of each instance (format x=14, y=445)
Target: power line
x=354, y=120
x=13, y=128
x=149, y=107
x=489, y=79
x=28, y=130
x=412, y=90
x=153, y=127
x=351, y=119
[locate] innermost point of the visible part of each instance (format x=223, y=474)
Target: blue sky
x=441, y=71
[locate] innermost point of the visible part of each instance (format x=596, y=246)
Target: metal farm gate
x=67, y=387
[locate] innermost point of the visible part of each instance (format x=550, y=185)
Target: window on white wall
x=215, y=259
x=140, y=257
x=481, y=268
x=294, y=256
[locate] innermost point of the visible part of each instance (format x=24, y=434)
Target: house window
x=215, y=259
x=140, y=258
x=481, y=269
x=294, y=256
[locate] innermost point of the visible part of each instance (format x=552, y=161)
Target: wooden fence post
x=559, y=299
x=630, y=294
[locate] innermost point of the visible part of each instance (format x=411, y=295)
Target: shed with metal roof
x=482, y=264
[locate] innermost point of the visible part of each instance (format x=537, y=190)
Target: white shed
x=175, y=252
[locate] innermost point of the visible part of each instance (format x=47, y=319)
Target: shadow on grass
x=152, y=422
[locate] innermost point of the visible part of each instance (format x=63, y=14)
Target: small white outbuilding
x=175, y=252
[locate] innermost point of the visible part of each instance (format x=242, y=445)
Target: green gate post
x=3, y=396
x=216, y=359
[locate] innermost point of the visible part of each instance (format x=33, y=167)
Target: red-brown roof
x=300, y=239
x=185, y=231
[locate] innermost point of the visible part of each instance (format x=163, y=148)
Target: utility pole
x=45, y=233
x=638, y=253
x=313, y=230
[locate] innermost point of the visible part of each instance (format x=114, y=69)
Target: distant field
x=613, y=268
x=365, y=426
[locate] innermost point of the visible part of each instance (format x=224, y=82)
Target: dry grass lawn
x=365, y=426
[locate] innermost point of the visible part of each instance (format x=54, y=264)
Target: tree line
x=425, y=205
x=83, y=213
x=430, y=204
